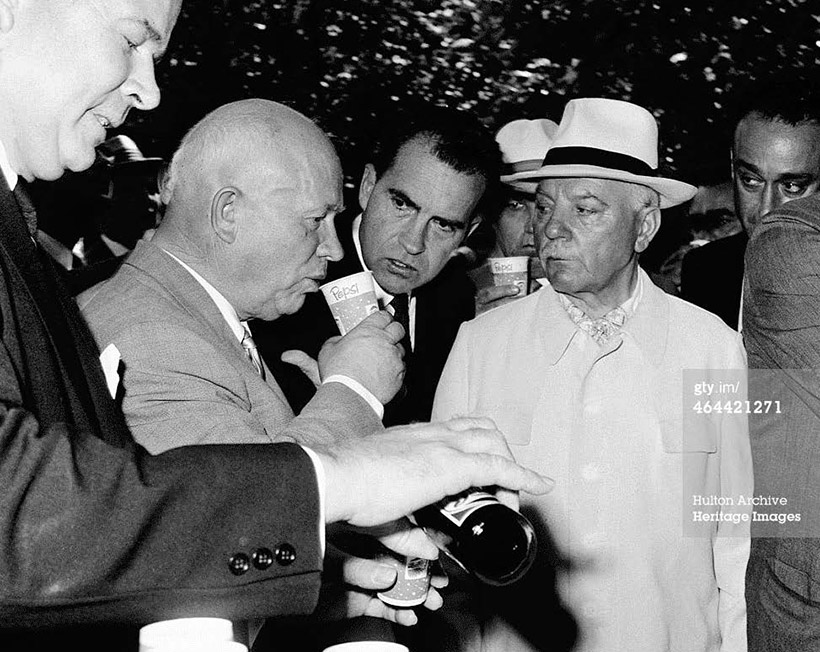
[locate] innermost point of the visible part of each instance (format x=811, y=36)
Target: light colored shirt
x=608, y=423
x=384, y=298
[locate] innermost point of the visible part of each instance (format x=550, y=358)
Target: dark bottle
x=485, y=537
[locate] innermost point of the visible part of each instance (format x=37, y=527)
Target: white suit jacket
x=618, y=430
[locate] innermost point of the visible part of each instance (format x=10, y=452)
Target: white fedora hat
x=609, y=139
x=523, y=145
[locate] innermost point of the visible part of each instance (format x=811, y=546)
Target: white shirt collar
x=10, y=175
x=227, y=310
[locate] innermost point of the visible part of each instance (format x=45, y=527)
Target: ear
x=8, y=10
x=367, y=184
x=649, y=221
x=223, y=214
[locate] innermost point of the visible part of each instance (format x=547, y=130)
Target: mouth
x=398, y=267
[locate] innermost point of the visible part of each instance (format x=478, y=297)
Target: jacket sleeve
x=180, y=389
x=96, y=532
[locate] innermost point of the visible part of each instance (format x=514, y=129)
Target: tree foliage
x=346, y=63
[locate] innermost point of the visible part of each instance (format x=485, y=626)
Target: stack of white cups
x=190, y=635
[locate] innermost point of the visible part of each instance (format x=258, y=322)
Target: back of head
x=456, y=138
x=791, y=99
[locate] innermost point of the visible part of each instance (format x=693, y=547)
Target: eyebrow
x=153, y=36
x=399, y=194
x=786, y=176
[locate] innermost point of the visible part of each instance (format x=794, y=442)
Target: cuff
x=320, y=481
x=360, y=389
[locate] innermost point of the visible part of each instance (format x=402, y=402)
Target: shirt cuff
x=320, y=481
x=360, y=389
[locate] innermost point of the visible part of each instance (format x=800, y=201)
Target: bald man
x=252, y=193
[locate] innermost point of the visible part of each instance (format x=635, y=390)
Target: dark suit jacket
x=781, y=332
x=93, y=530
x=712, y=276
x=441, y=307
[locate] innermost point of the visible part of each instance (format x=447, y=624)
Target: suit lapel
x=46, y=311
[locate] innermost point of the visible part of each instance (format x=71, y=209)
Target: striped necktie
x=250, y=350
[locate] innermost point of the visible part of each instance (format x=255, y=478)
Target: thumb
x=308, y=365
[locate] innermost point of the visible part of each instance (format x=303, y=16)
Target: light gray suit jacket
x=186, y=378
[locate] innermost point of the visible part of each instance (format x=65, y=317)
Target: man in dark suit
x=418, y=197
x=781, y=331
x=775, y=159
x=94, y=530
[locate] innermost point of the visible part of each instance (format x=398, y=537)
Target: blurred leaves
x=345, y=63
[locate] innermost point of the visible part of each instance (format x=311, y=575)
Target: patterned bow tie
x=253, y=355
x=601, y=329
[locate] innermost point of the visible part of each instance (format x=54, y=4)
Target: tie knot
x=250, y=349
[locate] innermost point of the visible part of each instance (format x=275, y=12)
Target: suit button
x=285, y=554
x=262, y=558
x=239, y=564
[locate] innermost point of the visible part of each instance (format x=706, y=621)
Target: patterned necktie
x=250, y=350
x=601, y=329
x=23, y=198
x=401, y=313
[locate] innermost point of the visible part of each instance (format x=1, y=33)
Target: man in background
x=523, y=144
x=781, y=330
x=775, y=159
x=418, y=196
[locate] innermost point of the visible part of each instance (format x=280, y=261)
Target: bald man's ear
x=649, y=221
x=8, y=9
x=223, y=214
x=367, y=184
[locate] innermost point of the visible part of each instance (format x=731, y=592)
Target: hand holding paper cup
x=351, y=299
x=511, y=270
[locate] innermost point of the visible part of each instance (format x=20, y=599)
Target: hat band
x=599, y=157
x=521, y=166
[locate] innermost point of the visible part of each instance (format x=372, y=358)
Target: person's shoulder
x=508, y=315
x=706, y=325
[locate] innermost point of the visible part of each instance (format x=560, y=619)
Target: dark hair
x=456, y=138
x=793, y=100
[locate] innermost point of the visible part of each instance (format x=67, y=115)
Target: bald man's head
x=252, y=192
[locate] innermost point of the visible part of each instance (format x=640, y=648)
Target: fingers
x=505, y=473
x=410, y=541
x=368, y=574
x=493, y=293
x=379, y=319
x=308, y=365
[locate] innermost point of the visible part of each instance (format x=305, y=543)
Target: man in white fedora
x=610, y=385
x=523, y=144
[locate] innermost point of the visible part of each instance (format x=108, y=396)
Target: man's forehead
x=581, y=187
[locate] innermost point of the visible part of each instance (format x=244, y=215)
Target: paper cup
x=184, y=634
x=367, y=646
x=351, y=299
x=513, y=270
x=412, y=581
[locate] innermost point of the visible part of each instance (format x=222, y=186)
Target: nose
x=769, y=200
x=554, y=226
x=412, y=236
x=141, y=85
x=329, y=245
